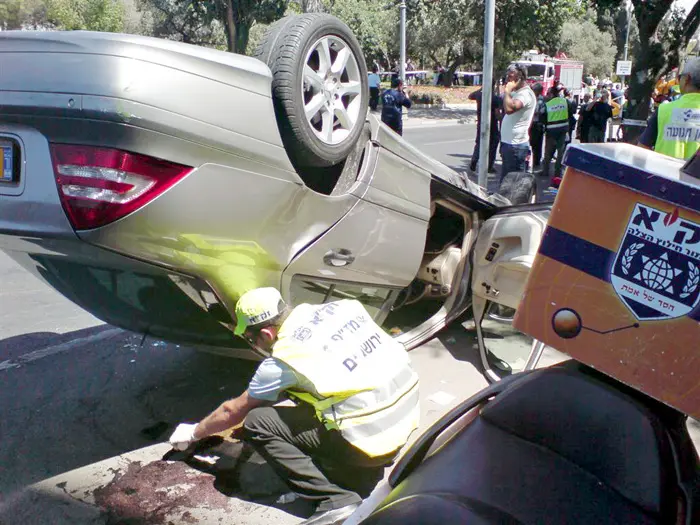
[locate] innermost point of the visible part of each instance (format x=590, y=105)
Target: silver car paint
x=177, y=89
x=36, y=209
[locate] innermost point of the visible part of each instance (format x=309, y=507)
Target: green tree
x=191, y=22
x=447, y=33
x=516, y=21
x=374, y=23
x=93, y=15
x=663, y=34
x=584, y=41
x=216, y=23
x=620, y=31
x=22, y=14
x=240, y=15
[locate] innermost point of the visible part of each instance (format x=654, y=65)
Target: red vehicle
x=548, y=71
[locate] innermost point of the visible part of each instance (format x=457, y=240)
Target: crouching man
x=355, y=391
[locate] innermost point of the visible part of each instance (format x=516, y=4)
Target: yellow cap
x=256, y=307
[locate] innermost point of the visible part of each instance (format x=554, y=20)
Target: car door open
x=503, y=255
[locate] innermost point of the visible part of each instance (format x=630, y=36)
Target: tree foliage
x=528, y=24
x=445, y=33
x=663, y=34
x=214, y=23
x=583, y=40
x=93, y=15
x=22, y=14
x=374, y=23
x=451, y=31
x=192, y=22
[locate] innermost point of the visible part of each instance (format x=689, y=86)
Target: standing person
x=557, y=111
x=601, y=112
x=573, y=108
x=538, y=126
x=356, y=394
x=674, y=129
x=519, y=104
x=494, y=135
x=393, y=102
x=374, y=83
x=584, y=119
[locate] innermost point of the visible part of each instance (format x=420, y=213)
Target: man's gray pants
x=555, y=142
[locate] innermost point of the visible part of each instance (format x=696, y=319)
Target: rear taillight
x=99, y=185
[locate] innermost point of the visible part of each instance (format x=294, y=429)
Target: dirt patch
x=154, y=493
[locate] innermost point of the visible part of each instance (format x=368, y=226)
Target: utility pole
x=627, y=35
x=486, y=93
x=402, y=58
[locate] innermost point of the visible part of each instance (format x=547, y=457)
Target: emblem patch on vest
x=656, y=272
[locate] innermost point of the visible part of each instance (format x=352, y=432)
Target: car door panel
x=400, y=186
x=380, y=242
x=504, y=253
x=371, y=244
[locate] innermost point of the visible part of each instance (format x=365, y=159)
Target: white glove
x=183, y=436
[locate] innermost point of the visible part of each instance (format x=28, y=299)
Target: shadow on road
x=97, y=398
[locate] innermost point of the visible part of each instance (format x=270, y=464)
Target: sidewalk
x=449, y=115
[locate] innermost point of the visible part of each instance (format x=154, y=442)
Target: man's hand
x=183, y=436
x=510, y=86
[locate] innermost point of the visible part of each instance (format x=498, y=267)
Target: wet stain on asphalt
x=156, y=493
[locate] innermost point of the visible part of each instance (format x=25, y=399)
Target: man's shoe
x=331, y=517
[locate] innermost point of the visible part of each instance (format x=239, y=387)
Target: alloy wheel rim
x=331, y=89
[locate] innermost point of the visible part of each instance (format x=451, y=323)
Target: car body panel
x=236, y=239
x=399, y=185
x=126, y=293
x=36, y=209
x=372, y=235
x=131, y=79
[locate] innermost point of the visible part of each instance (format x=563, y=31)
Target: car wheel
x=519, y=187
x=319, y=87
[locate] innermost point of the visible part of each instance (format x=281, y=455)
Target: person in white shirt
x=374, y=83
x=519, y=103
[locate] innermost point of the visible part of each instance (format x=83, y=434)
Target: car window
x=315, y=291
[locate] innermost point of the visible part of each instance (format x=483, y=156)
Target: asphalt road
x=451, y=141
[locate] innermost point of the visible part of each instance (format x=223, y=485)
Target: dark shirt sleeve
x=648, y=138
x=405, y=101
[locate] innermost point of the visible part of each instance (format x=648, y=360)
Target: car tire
x=319, y=87
x=519, y=187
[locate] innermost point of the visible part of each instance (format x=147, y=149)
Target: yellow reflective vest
x=557, y=113
x=678, y=132
x=363, y=383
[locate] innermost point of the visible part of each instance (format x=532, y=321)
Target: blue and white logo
x=656, y=272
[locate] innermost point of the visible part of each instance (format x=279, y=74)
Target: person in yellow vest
x=557, y=119
x=355, y=391
x=674, y=129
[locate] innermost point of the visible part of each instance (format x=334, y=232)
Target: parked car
x=152, y=182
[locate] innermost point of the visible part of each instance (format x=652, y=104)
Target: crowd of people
x=529, y=125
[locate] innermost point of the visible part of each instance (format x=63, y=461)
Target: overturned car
x=152, y=182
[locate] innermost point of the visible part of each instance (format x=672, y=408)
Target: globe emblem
x=657, y=274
